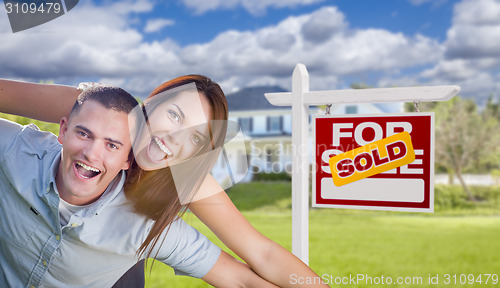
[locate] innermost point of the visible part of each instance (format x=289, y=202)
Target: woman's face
x=178, y=129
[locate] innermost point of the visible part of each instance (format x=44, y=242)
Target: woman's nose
x=177, y=136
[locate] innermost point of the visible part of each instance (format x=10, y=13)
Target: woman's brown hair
x=154, y=193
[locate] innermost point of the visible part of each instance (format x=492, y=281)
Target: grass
x=461, y=237
x=457, y=239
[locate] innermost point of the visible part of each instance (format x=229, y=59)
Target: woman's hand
x=44, y=102
x=231, y=273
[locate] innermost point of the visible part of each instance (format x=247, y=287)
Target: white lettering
x=358, y=133
x=391, y=128
x=337, y=134
x=413, y=170
x=325, y=157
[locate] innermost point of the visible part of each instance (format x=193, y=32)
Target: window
x=245, y=124
x=351, y=109
x=274, y=123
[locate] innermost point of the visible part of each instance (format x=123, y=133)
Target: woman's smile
x=157, y=150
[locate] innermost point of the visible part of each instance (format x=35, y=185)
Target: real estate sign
x=378, y=162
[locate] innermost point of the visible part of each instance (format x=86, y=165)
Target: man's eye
x=112, y=146
x=174, y=116
x=83, y=134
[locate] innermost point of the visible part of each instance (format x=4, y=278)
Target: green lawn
x=461, y=237
x=346, y=243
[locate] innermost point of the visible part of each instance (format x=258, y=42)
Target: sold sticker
x=371, y=159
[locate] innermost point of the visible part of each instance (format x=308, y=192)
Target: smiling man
x=96, y=147
x=64, y=219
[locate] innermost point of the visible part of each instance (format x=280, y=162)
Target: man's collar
x=111, y=192
x=113, y=189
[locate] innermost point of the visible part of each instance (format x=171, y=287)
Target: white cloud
x=419, y=2
x=88, y=42
x=99, y=41
x=475, y=30
x=103, y=42
x=323, y=24
x=454, y=70
x=470, y=54
x=253, y=6
x=471, y=57
x=435, y=3
x=332, y=49
x=155, y=25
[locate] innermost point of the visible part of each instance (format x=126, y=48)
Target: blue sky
x=429, y=18
x=138, y=44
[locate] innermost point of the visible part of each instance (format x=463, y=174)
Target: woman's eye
x=196, y=139
x=112, y=146
x=174, y=116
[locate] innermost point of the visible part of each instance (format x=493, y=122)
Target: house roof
x=252, y=98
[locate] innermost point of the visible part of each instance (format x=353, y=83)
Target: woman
x=160, y=188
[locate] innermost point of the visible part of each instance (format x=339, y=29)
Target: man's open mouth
x=86, y=171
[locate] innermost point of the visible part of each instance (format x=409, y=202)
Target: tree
x=464, y=136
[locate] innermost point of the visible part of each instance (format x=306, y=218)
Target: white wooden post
x=300, y=98
x=300, y=164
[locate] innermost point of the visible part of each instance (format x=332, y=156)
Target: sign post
x=300, y=165
x=300, y=99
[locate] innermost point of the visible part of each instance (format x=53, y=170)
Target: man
x=64, y=221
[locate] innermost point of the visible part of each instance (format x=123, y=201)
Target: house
x=265, y=143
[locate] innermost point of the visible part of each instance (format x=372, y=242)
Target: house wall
x=272, y=151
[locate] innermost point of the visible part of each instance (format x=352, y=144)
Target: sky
x=139, y=44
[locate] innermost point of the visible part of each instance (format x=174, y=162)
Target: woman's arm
x=44, y=102
x=268, y=259
x=231, y=273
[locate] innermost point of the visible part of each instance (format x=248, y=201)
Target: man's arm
x=8, y=131
x=44, y=102
x=229, y=272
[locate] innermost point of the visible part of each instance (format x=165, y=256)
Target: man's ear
x=126, y=165
x=130, y=159
x=63, y=128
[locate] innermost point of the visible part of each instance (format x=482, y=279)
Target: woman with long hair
x=177, y=134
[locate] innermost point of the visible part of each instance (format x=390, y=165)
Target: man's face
x=96, y=145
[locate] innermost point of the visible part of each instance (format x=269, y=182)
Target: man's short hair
x=110, y=97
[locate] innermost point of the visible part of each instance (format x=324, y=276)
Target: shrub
x=282, y=176
x=452, y=197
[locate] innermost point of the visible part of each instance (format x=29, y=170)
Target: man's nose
x=93, y=151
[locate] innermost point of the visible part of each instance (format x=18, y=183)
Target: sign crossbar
x=372, y=95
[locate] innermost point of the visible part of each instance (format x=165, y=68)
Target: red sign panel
x=408, y=187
